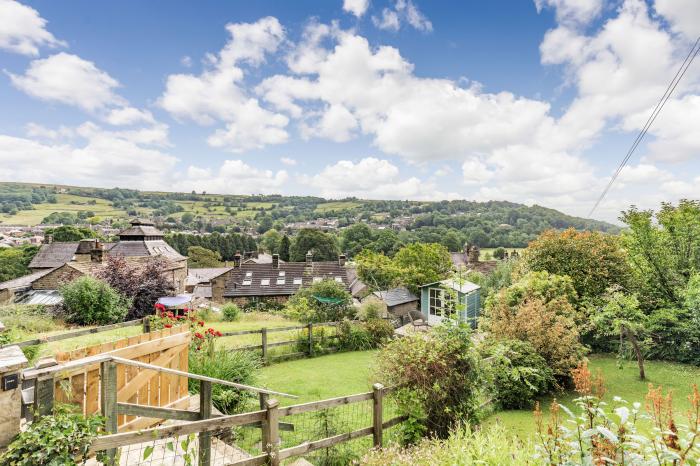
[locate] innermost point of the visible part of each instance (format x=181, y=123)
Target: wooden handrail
x=277, y=329
x=74, y=334
x=167, y=370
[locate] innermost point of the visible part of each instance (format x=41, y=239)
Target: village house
x=58, y=263
x=468, y=260
x=276, y=281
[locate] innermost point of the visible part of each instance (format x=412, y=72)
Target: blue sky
x=532, y=102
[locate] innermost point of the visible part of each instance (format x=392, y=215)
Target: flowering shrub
x=600, y=434
x=201, y=339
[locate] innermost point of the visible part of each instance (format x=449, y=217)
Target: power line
x=659, y=106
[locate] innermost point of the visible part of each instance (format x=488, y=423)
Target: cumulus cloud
x=403, y=11
x=684, y=15
x=23, y=30
x=128, y=116
x=234, y=177
x=576, y=12
x=218, y=95
x=68, y=79
x=288, y=161
x=356, y=7
x=373, y=178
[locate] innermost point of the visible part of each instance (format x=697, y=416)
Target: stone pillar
x=12, y=361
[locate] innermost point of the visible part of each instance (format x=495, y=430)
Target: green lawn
x=322, y=377
x=623, y=382
x=337, y=205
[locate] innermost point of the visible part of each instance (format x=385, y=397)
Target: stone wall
x=12, y=361
x=59, y=277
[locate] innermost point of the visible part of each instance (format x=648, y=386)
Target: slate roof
x=396, y=296
x=24, y=282
x=94, y=268
x=146, y=248
x=53, y=255
x=204, y=275
x=265, y=280
x=140, y=229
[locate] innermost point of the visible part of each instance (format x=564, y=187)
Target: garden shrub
x=440, y=377
x=618, y=432
x=380, y=331
x=230, y=312
x=234, y=366
x=519, y=374
x=371, y=308
x=308, y=305
x=321, y=341
x=27, y=318
x=89, y=301
x=61, y=439
x=491, y=446
x=353, y=337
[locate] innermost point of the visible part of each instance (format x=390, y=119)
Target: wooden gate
x=164, y=348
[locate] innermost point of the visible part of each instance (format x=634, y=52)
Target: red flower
x=201, y=323
x=218, y=334
x=199, y=335
x=168, y=325
x=160, y=307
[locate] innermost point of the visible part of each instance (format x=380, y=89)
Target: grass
x=320, y=378
x=66, y=203
x=337, y=205
x=620, y=381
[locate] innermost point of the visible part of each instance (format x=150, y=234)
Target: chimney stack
x=237, y=259
x=309, y=259
x=341, y=259
x=98, y=252
x=275, y=261
x=474, y=254
x=48, y=239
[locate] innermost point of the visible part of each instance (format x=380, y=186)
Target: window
x=247, y=282
x=441, y=303
x=249, y=274
x=317, y=279
x=265, y=282
x=339, y=280
x=281, y=281
x=282, y=273
x=297, y=281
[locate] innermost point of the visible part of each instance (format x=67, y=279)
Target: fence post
x=263, y=338
x=377, y=433
x=108, y=398
x=311, y=340
x=263, y=405
x=271, y=432
x=204, y=413
x=44, y=389
x=147, y=324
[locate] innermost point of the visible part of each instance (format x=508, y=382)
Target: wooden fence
x=265, y=345
x=82, y=385
x=268, y=418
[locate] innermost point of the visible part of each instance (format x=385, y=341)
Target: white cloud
x=356, y=7
x=68, y=79
x=128, y=116
x=288, y=161
x=475, y=172
x=388, y=21
x=576, y=12
x=403, y=11
x=684, y=15
x=104, y=159
x=372, y=178
x=186, y=61
x=22, y=30
x=234, y=177
x=37, y=131
x=218, y=94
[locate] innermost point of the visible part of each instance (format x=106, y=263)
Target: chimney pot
x=48, y=239
x=309, y=258
x=275, y=261
x=341, y=259
x=237, y=259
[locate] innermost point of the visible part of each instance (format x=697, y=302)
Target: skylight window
x=249, y=274
x=265, y=282
x=339, y=280
x=281, y=281
x=297, y=281
x=317, y=279
x=247, y=282
x=282, y=273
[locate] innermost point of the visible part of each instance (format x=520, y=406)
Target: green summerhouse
x=451, y=299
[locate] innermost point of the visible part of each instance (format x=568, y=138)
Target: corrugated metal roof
x=45, y=297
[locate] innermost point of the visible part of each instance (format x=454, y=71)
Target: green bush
x=492, y=446
x=519, y=374
x=88, y=301
x=371, y=308
x=380, y=330
x=324, y=301
x=440, y=375
x=321, y=341
x=61, y=439
x=353, y=337
x=231, y=312
x=234, y=366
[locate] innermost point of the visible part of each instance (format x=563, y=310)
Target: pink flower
x=168, y=325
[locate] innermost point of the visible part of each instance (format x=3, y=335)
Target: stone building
x=276, y=281
x=58, y=263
